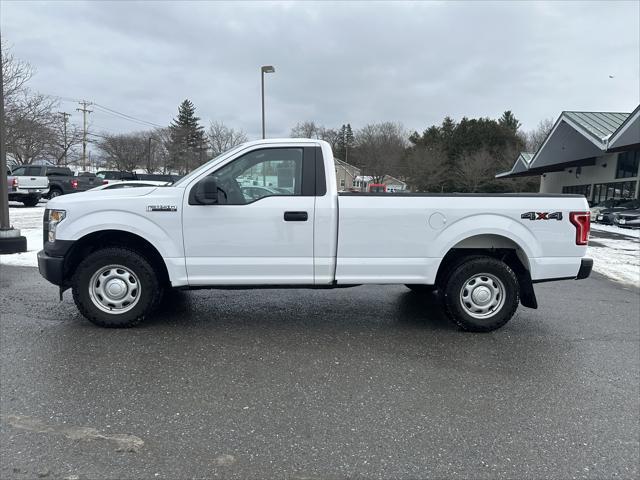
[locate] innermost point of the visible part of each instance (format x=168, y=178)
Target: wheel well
x=500, y=248
x=114, y=238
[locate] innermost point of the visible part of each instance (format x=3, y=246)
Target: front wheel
x=481, y=294
x=116, y=287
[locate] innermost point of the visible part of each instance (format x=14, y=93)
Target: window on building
x=578, y=190
x=616, y=190
x=342, y=182
x=627, y=164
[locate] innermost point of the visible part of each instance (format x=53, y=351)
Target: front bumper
x=586, y=265
x=51, y=268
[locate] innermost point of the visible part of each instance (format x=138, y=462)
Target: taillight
x=582, y=222
x=14, y=183
x=74, y=183
x=104, y=182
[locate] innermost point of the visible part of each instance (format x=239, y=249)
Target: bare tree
x=536, y=137
x=29, y=121
x=305, y=130
x=63, y=140
x=15, y=74
x=379, y=149
x=474, y=169
x=425, y=169
x=126, y=151
x=222, y=138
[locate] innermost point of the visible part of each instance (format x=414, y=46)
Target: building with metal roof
x=592, y=153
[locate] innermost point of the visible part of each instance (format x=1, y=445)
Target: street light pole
x=264, y=69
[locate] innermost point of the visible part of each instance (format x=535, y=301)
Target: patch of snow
x=29, y=221
x=635, y=233
x=617, y=259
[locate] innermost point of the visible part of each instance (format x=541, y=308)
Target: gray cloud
x=335, y=62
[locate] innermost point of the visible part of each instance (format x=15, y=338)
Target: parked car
x=609, y=203
x=118, y=250
x=627, y=219
x=63, y=181
x=24, y=184
x=606, y=216
x=130, y=184
x=115, y=175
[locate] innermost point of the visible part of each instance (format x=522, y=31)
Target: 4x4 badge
x=542, y=216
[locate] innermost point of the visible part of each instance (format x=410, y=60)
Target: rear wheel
x=116, y=287
x=31, y=201
x=481, y=294
x=54, y=192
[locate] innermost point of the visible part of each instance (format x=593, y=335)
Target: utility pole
x=149, y=157
x=65, y=117
x=10, y=239
x=84, y=111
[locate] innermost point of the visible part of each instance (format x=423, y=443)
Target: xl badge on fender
x=542, y=216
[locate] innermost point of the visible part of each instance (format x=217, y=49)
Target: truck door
x=259, y=228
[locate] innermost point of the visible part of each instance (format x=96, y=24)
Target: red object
x=582, y=222
x=74, y=183
x=104, y=182
x=377, y=187
x=14, y=183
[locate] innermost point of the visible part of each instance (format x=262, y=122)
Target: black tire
x=421, y=288
x=150, y=287
x=54, y=192
x=31, y=201
x=459, y=303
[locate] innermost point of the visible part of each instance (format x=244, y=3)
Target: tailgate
x=32, y=183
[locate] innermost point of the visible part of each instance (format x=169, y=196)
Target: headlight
x=55, y=217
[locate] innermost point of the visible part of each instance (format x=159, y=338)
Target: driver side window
x=259, y=174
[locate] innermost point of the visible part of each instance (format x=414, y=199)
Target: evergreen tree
x=187, y=145
x=509, y=121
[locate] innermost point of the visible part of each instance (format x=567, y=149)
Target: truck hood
x=99, y=195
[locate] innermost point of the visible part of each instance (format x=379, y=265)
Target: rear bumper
x=586, y=265
x=51, y=268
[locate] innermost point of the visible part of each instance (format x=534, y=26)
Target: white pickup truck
x=267, y=214
x=26, y=185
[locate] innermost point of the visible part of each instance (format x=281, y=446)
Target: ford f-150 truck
x=118, y=250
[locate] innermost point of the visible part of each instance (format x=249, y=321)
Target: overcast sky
x=335, y=63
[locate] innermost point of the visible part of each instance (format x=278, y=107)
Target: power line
x=124, y=115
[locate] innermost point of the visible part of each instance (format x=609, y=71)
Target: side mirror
x=206, y=191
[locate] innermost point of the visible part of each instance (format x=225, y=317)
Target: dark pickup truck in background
x=63, y=181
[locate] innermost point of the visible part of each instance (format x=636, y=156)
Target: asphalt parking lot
x=369, y=382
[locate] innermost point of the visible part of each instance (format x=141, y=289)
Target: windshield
x=204, y=166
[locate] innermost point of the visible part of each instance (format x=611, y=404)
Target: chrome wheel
x=114, y=289
x=482, y=296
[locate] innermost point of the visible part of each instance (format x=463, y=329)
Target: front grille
x=45, y=227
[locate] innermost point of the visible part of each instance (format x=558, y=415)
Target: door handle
x=296, y=216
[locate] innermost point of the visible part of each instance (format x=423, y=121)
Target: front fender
x=168, y=245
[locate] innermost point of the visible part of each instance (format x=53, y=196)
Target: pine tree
x=187, y=145
x=349, y=141
x=509, y=121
